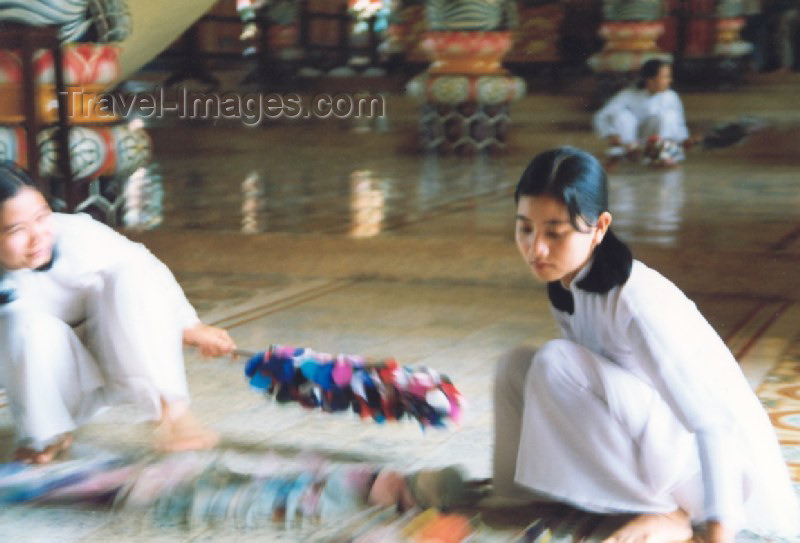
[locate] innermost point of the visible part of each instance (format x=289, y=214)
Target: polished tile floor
x=344, y=237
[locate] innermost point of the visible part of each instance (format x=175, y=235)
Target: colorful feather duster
x=381, y=390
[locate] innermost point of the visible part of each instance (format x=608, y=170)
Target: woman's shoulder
x=646, y=289
x=620, y=98
x=78, y=221
x=80, y=234
x=670, y=95
x=629, y=92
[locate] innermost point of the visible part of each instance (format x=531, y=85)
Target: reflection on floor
x=341, y=236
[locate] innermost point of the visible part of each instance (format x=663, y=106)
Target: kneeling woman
x=640, y=407
x=647, y=120
x=88, y=319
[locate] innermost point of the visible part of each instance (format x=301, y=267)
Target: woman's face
x=26, y=231
x=661, y=81
x=549, y=244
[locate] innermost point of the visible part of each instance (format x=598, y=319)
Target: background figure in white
x=89, y=319
x=642, y=115
x=641, y=407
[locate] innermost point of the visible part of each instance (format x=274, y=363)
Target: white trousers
x=574, y=427
x=127, y=350
x=630, y=129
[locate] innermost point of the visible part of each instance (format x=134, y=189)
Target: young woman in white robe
x=647, y=118
x=640, y=408
x=89, y=319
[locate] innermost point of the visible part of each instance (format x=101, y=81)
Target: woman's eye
x=553, y=234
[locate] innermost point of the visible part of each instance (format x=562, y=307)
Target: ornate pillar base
x=465, y=93
x=465, y=113
x=628, y=45
x=105, y=151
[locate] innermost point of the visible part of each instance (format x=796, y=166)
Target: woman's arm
x=677, y=106
x=603, y=120
x=690, y=367
x=96, y=248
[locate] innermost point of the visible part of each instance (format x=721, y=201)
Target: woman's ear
x=602, y=225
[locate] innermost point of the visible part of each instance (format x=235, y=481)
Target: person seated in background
x=645, y=121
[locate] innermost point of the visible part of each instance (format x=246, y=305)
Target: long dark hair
x=576, y=179
x=13, y=179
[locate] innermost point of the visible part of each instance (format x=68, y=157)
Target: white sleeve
x=98, y=247
x=677, y=106
x=603, y=120
x=164, y=280
x=678, y=349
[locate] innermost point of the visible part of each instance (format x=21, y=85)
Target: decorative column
x=465, y=93
x=730, y=50
x=704, y=37
x=630, y=30
x=108, y=155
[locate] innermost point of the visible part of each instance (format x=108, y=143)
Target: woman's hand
x=211, y=341
x=717, y=533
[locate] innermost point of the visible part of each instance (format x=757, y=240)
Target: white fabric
x=643, y=408
x=634, y=115
x=102, y=326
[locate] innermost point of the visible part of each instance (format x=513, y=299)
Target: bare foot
x=442, y=489
x=611, y=163
x=45, y=456
x=390, y=490
x=633, y=152
x=655, y=528
x=183, y=433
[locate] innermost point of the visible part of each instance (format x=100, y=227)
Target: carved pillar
x=631, y=29
x=465, y=92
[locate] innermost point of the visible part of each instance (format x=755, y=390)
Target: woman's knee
x=25, y=330
x=30, y=323
x=553, y=364
x=625, y=124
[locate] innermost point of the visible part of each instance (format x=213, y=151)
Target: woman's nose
x=538, y=247
x=36, y=233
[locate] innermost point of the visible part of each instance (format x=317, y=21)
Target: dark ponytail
x=612, y=264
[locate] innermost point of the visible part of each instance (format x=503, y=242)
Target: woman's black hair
x=577, y=179
x=13, y=179
x=649, y=70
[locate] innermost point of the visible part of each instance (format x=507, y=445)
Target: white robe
x=634, y=115
x=642, y=408
x=102, y=326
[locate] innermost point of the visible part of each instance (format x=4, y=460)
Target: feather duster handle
x=382, y=390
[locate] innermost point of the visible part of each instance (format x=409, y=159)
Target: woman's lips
x=541, y=266
x=38, y=254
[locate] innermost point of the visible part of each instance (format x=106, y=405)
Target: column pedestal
x=628, y=45
x=465, y=93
